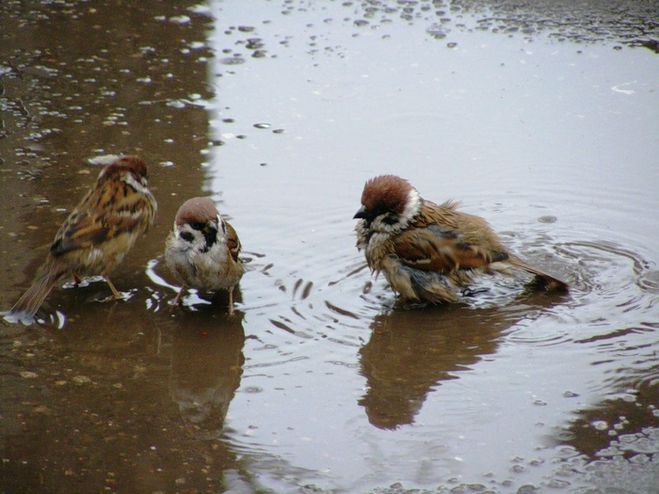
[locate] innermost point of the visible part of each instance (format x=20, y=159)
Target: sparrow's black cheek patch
x=211, y=237
x=390, y=219
x=187, y=236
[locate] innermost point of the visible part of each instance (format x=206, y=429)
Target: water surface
x=542, y=119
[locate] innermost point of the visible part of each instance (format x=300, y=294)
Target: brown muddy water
x=542, y=118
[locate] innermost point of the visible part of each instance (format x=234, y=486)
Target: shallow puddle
x=542, y=119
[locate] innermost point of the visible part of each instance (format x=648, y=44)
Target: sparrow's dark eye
x=187, y=236
x=197, y=226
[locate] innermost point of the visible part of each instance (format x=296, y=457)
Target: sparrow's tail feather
x=27, y=306
x=542, y=279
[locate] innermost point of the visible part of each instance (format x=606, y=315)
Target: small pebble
x=80, y=380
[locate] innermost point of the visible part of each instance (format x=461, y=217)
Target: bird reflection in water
x=207, y=364
x=410, y=352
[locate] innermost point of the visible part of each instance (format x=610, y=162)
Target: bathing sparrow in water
x=430, y=252
x=97, y=234
x=202, y=250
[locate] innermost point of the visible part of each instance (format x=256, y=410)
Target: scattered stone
x=42, y=409
x=80, y=380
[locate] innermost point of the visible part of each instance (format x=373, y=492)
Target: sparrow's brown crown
x=131, y=164
x=386, y=193
x=196, y=210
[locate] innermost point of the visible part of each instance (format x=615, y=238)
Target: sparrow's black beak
x=362, y=213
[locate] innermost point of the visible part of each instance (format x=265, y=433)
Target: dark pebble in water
x=262, y=125
x=278, y=131
x=263, y=164
x=245, y=29
x=228, y=120
x=232, y=61
x=558, y=484
x=547, y=219
x=259, y=54
x=452, y=44
x=436, y=32
x=254, y=43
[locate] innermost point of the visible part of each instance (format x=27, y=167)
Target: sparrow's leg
x=231, y=301
x=177, y=300
x=115, y=292
x=76, y=280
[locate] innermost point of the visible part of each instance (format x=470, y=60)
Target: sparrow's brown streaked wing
x=82, y=230
x=79, y=231
x=233, y=242
x=436, y=248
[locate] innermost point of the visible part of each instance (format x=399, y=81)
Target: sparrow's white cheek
x=138, y=186
x=411, y=208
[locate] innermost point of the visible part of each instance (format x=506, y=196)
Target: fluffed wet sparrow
x=202, y=250
x=98, y=233
x=429, y=252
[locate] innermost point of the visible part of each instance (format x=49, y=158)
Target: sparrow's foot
x=115, y=293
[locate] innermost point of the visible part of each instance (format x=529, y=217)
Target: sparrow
x=202, y=250
x=429, y=253
x=97, y=234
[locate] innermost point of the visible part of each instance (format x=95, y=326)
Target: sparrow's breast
x=377, y=249
x=216, y=269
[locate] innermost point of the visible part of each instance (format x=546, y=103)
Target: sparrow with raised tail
x=429, y=252
x=97, y=234
x=202, y=250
